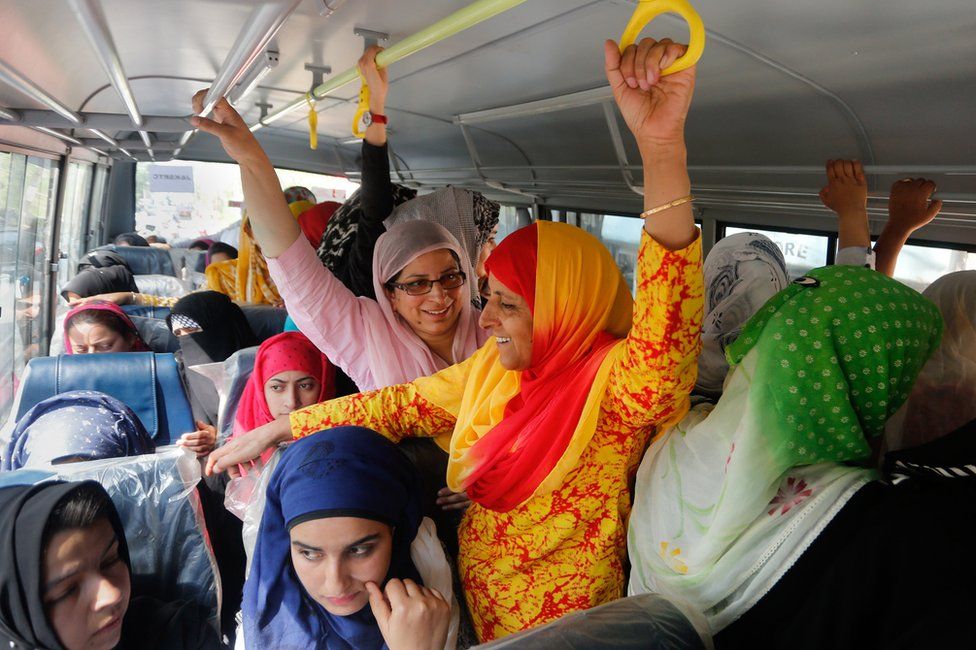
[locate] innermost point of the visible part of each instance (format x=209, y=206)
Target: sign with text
x=170, y=179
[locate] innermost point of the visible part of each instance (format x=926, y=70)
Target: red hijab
x=280, y=353
x=103, y=305
x=314, y=220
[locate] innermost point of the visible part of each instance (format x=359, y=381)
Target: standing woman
x=549, y=419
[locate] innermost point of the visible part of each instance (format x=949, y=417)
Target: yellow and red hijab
x=519, y=433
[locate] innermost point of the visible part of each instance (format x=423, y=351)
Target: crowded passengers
x=733, y=439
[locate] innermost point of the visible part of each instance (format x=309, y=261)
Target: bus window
x=920, y=266
x=183, y=200
x=803, y=252
x=621, y=236
x=74, y=218
x=28, y=186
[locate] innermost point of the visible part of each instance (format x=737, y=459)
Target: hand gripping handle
x=648, y=10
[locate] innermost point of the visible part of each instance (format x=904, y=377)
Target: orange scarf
x=519, y=433
x=254, y=283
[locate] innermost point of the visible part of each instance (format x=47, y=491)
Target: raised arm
x=846, y=194
x=910, y=206
x=655, y=371
x=655, y=109
x=275, y=229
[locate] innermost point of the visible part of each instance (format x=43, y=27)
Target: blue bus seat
x=169, y=547
x=144, y=260
x=146, y=311
x=149, y=383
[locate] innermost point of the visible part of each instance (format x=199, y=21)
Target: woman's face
x=335, y=557
x=435, y=313
x=85, y=587
x=290, y=390
x=508, y=317
x=92, y=338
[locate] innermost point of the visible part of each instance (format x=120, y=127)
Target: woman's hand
x=118, y=297
x=202, y=441
x=376, y=78
x=448, y=500
x=410, y=617
x=910, y=204
x=230, y=128
x=244, y=449
x=654, y=107
x=846, y=193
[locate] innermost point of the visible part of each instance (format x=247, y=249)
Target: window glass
x=802, y=252
x=74, y=219
x=508, y=221
x=920, y=266
x=621, y=236
x=182, y=200
x=28, y=187
x=96, y=225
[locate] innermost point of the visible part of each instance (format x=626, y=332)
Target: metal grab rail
x=473, y=14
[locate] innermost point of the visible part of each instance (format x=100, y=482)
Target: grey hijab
x=742, y=272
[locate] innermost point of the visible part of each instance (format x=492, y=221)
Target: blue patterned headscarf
x=76, y=425
x=342, y=472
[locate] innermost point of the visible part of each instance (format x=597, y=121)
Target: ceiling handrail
x=474, y=14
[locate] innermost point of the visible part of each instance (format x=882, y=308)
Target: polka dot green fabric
x=837, y=355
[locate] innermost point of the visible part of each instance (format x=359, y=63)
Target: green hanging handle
x=648, y=10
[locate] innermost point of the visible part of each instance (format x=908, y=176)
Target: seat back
x=145, y=260
x=146, y=311
x=148, y=383
x=159, y=506
x=265, y=320
x=160, y=285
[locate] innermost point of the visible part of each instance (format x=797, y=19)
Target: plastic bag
x=645, y=621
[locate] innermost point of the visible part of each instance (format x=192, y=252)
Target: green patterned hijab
x=839, y=350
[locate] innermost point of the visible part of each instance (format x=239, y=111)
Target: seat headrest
x=144, y=260
x=265, y=320
x=146, y=311
x=148, y=383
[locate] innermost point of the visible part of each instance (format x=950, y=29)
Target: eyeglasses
x=422, y=287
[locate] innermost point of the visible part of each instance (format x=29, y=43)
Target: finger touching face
x=335, y=557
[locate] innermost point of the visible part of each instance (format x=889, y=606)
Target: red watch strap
x=379, y=119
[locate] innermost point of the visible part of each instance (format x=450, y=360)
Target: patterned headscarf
x=80, y=424
x=841, y=347
x=742, y=272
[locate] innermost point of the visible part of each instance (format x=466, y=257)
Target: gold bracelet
x=668, y=206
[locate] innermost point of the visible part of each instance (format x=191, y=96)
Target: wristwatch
x=374, y=118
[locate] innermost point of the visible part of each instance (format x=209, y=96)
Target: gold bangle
x=668, y=206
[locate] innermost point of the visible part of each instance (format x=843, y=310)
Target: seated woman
x=289, y=373
x=98, y=326
x=65, y=577
x=220, y=252
x=549, y=419
x=337, y=562
x=95, y=281
x=211, y=325
x=764, y=510
x=76, y=426
x=130, y=239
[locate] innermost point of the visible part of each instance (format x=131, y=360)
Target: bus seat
x=149, y=383
x=265, y=320
x=144, y=260
x=194, y=260
x=644, y=621
x=169, y=547
x=160, y=285
x=146, y=311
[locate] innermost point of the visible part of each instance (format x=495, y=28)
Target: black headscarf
x=225, y=329
x=100, y=259
x=131, y=238
x=24, y=511
x=95, y=281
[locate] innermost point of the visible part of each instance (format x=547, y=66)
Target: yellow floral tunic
x=563, y=551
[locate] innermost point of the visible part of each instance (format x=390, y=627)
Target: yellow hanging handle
x=357, y=120
x=313, y=123
x=648, y=10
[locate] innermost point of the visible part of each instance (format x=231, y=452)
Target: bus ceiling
x=508, y=96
